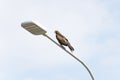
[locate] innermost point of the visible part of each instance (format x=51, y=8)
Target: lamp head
x=33, y=28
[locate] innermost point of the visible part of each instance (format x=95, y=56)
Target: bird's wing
x=62, y=39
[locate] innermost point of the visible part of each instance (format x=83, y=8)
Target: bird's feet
x=62, y=47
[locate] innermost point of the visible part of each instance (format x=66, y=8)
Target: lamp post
x=38, y=30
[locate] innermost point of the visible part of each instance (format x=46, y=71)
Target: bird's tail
x=70, y=47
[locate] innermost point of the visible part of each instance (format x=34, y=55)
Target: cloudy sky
x=92, y=27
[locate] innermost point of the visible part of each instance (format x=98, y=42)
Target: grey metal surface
x=33, y=28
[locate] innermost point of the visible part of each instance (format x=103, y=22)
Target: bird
x=63, y=40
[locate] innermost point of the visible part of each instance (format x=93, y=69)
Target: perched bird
x=63, y=41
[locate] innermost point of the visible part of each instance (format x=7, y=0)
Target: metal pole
x=72, y=56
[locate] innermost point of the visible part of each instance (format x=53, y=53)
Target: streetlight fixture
x=38, y=30
x=33, y=28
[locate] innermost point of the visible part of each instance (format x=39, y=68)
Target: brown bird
x=63, y=41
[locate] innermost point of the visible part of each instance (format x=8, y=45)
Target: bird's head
x=57, y=32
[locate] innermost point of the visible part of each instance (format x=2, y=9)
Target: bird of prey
x=63, y=40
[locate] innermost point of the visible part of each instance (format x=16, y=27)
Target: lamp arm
x=71, y=55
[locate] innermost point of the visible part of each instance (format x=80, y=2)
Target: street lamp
x=33, y=28
x=38, y=30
